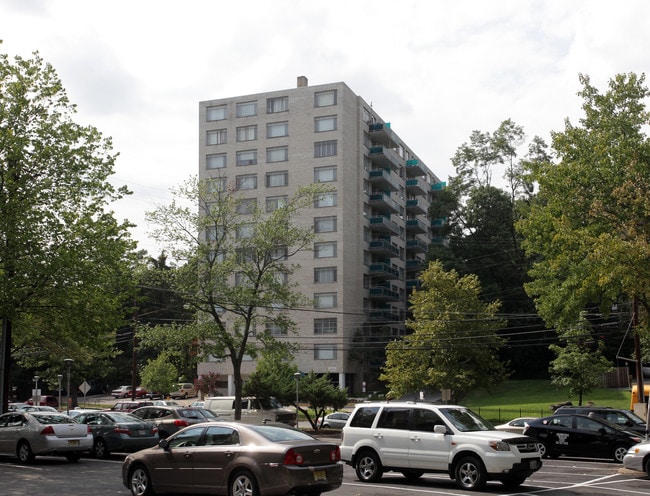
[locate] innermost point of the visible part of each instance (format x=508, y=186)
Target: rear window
x=364, y=416
x=277, y=434
x=54, y=419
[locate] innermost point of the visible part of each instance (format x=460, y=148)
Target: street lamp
x=59, y=377
x=35, y=397
x=296, y=376
x=68, y=363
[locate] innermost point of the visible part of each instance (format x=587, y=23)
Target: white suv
x=414, y=438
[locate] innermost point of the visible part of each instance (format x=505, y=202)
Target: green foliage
x=273, y=377
x=159, y=375
x=454, y=342
x=320, y=394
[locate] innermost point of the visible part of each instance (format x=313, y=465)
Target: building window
x=215, y=161
x=277, y=104
x=246, y=157
x=325, y=149
x=246, y=109
x=325, y=326
x=278, y=178
x=217, y=113
x=217, y=137
x=277, y=154
x=324, y=352
x=281, y=278
x=325, y=98
x=247, y=133
x=280, y=253
x=327, y=123
x=245, y=231
x=248, y=181
x=325, y=174
x=275, y=329
x=246, y=206
x=242, y=279
x=217, y=185
x=325, y=200
x=325, y=300
x=325, y=249
x=277, y=129
x=324, y=274
x=275, y=202
x=325, y=224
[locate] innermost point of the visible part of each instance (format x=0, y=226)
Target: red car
x=46, y=400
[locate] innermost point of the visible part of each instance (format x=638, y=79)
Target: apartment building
x=373, y=229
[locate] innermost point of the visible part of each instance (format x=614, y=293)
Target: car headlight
x=499, y=446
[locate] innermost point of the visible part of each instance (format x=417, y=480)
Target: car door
x=391, y=436
x=591, y=438
x=427, y=449
x=213, y=457
x=171, y=468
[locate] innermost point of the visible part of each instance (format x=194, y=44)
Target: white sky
x=437, y=70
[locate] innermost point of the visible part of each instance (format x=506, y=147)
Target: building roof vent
x=302, y=82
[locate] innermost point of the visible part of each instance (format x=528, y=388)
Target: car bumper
x=632, y=461
x=53, y=446
x=130, y=444
x=302, y=479
x=505, y=465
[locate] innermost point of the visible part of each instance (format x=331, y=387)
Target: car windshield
x=466, y=420
x=270, y=403
x=53, y=419
x=277, y=434
x=193, y=413
x=123, y=417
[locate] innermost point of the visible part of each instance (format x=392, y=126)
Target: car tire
x=412, y=474
x=73, y=457
x=368, y=466
x=470, y=473
x=243, y=483
x=139, y=481
x=618, y=453
x=24, y=453
x=543, y=450
x=100, y=450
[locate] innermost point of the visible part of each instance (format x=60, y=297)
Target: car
x=129, y=406
x=170, y=419
x=45, y=400
x=118, y=431
x=237, y=459
x=253, y=410
x=638, y=457
x=624, y=418
x=13, y=406
x=122, y=392
x=581, y=436
x=183, y=390
x=36, y=408
x=417, y=437
x=197, y=404
x=515, y=425
x=334, y=420
x=78, y=411
x=165, y=403
x=28, y=434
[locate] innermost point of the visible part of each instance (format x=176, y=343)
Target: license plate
x=320, y=475
x=142, y=432
x=73, y=442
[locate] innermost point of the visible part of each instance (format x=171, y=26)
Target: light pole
x=59, y=377
x=35, y=398
x=296, y=376
x=68, y=363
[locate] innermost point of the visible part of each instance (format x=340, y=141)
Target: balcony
x=414, y=264
x=383, y=179
x=415, y=168
x=383, y=248
x=416, y=206
x=417, y=186
x=383, y=224
x=412, y=284
x=381, y=133
x=383, y=293
x=385, y=157
x=416, y=246
x=382, y=202
x=416, y=226
x=383, y=314
x=383, y=270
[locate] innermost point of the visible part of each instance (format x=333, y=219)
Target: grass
x=533, y=398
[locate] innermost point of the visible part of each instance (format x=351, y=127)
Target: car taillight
x=154, y=430
x=122, y=430
x=48, y=431
x=181, y=423
x=89, y=430
x=293, y=458
x=335, y=454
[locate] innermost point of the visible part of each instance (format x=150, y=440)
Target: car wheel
x=139, y=482
x=543, y=450
x=73, y=457
x=513, y=481
x=100, y=450
x=470, y=473
x=368, y=467
x=412, y=474
x=24, y=452
x=618, y=453
x=243, y=483
x=325, y=426
x=185, y=396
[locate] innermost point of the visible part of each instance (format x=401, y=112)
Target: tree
x=235, y=265
x=454, y=342
x=319, y=394
x=580, y=364
x=588, y=229
x=274, y=376
x=159, y=375
x=64, y=259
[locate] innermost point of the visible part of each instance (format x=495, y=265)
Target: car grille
x=524, y=444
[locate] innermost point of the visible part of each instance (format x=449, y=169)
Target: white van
x=253, y=411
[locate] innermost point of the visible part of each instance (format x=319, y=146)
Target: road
x=51, y=476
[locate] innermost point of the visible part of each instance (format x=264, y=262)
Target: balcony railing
x=383, y=247
x=383, y=179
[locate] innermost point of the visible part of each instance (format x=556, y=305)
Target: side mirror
x=164, y=444
x=440, y=429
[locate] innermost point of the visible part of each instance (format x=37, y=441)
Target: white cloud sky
x=437, y=70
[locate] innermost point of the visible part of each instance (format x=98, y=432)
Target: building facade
x=373, y=231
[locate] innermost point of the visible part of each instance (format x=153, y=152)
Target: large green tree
x=64, y=259
x=454, y=343
x=235, y=263
x=589, y=227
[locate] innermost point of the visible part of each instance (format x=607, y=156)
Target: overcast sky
x=437, y=70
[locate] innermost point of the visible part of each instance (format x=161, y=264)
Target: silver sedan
x=27, y=434
x=638, y=458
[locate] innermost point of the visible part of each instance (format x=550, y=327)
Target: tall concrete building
x=373, y=229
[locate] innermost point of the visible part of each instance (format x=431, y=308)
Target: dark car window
x=221, y=436
x=394, y=418
x=364, y=417
x=277, y=434
x=586, y=424
x=561, y=422
x=189, y=437
x=425, y=420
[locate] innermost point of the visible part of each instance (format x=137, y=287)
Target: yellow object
x=634, y=397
